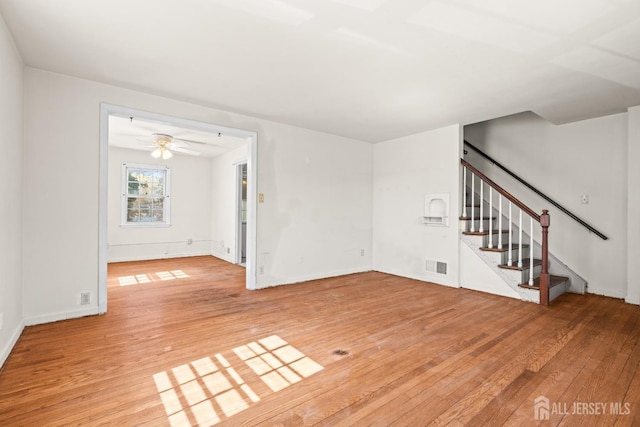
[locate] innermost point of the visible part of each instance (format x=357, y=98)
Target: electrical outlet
x=261, y=269
x=228, y=250
x=261, y=198
x=85, y=298
x=361, y=252
x=189, y=241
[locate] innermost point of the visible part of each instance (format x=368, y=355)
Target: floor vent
x=436, y=266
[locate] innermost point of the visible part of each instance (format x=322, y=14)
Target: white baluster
x=510, y=262
x=520, y=241
x=499, y=221
x=490, y=215
x=473, y=197
x=481, y=205
x=464, y=187
x=531, y=251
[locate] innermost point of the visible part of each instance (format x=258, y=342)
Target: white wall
x=581, y=158
x=633, y=207
x=223, y=206
x=316, y=186
x=11, y=121
x=316, y=217
x=190, y=210
x=405, y=170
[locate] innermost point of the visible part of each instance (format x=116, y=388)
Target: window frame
x=125, y=196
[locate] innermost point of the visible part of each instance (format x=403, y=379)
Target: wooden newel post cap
x=544, y=218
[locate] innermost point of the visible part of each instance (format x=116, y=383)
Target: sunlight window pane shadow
x=205, y=414
x=204, y=366
x=231, y=402
x=183, y=374
x=162, y=381
x=306, y=367
x=275, y=381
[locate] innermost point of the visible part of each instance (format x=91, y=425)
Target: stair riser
x=514, y=255
x=483, y=241
x=494, y=240
x=476, y=224
x=499, y=258
x=521, y=276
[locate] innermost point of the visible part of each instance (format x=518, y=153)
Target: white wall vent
x=436, y=266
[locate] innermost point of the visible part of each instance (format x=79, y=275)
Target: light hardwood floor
x=363, y=349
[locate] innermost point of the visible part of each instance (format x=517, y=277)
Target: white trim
x=316, y=276
x=613, y=293
x=107, y=110
x=632, y=300
x=146, y=258
x=65, y=315
x=252, y=211
x=5, y=351
x=422, y=278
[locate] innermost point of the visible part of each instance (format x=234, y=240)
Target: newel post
x=544, y=275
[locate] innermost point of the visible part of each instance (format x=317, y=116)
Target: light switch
x=260, y=197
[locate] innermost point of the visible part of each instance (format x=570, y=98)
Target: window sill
x=145, y=225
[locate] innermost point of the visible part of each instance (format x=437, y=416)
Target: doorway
x=241, y=206
x=249, y=234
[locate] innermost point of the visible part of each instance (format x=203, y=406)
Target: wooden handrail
x=502, y=191
x=538, y=192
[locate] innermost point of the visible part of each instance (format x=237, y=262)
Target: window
x=145, y=195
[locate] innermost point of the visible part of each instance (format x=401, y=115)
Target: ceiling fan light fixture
x=166, y=154
x=157, y=153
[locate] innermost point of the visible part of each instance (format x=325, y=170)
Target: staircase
x=492, y=227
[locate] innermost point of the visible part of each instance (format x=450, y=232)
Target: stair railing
x=535, y=190
x=542, y=219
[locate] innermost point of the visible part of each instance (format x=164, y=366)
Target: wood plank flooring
x=197, y=348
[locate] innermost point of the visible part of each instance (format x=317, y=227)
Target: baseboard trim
x=310, y=277
x=153, y=257
x=5, y=351
x=612, y=293
x=430, y=279
x=65, y=315
x=632, y=300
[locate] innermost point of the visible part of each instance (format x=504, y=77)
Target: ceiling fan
x=164, y=144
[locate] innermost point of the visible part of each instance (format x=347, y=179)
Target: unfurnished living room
x=304, y=212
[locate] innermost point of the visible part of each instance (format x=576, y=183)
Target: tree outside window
x=145, y=195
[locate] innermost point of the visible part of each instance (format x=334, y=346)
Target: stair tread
x=553, y=281
x=525, y=264
x=484, y=233
x=505, y=248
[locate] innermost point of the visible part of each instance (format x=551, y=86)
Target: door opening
x=107, y=110
x=241, y=206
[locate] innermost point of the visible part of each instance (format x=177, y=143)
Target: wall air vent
x=436, y=266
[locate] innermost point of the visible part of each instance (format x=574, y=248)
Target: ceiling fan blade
x=185, y=151
x=189, y=141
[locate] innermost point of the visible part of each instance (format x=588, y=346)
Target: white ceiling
x=369, y=69
x=137, y=134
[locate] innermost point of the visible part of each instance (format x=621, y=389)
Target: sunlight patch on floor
x=205, y=392
x=134, y=280
x=139, y=279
